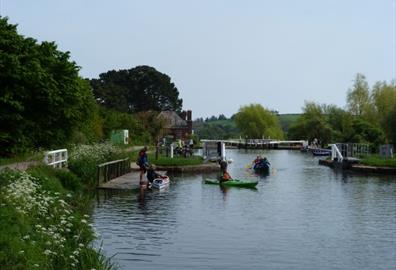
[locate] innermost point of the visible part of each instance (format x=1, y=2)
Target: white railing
x=335, y=153
x=56, y=158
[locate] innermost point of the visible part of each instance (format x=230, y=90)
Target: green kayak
x=232, y=183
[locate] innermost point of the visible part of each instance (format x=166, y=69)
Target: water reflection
x=301, y=216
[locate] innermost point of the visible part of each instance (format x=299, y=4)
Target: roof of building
x=172, y=119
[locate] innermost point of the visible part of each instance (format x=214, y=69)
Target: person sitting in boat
x=265, y=160
x=223, y=165
x=152, y=174
x=225, y=176
x=257, y=160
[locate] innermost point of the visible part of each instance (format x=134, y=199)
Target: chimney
x=183, y=115
x=189, y=113
x=189, y=121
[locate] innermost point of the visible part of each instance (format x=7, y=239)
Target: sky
x=224, y=54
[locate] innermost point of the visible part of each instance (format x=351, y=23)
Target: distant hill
x=226, y=129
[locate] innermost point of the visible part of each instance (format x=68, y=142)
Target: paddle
x=248, y=166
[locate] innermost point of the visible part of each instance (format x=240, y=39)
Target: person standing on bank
x=142, y=162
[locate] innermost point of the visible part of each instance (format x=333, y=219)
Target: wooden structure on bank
x=113, y=169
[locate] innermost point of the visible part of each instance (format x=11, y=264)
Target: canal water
x=301, y=216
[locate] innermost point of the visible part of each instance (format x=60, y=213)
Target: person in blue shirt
x=142, y=163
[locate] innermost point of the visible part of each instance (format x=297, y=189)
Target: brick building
x=179, y=126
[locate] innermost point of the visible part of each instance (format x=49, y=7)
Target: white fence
x=336, y=154
x=56, y=158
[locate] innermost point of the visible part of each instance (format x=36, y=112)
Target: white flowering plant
x=83, y=159
x=41, y=227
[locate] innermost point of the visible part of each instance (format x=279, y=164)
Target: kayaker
x=225, y=176
x=265, y=160
x=257, y=160
x=223, y=165
x=142, y=162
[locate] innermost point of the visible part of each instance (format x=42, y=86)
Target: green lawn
x=375, y=160
x=175, y=161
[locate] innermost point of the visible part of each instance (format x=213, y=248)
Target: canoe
x=321, y=152
x=232, y=183
x=160, y=183
x=262, y=166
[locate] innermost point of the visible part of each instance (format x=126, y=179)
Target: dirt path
x=20, y=166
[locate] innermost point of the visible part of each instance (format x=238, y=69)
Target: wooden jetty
x=124, y=175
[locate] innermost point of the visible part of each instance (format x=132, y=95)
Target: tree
x=139, y=89
x=390, y=120
x=222, y=117
x=255, y=121
x=384, y=99
x=358, y=97
x=340, y=122
x=365, y=132
x=42, y=99
x=312, y=124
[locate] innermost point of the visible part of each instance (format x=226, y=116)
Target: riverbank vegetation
x=45, y=222
x=375, y=160
x=370, y=117
x=83, y=160
x=45, y=217
x=45, y=213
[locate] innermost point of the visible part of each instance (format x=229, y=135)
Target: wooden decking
x=131, y=180
x=127, y=181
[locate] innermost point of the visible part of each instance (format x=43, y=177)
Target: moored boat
x=160, y=183
x=321, y=152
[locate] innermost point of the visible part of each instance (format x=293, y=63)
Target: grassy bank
x=163, y=160
x=176, y=161
x=375, y=160
x=45, y=214
x=45, y=222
